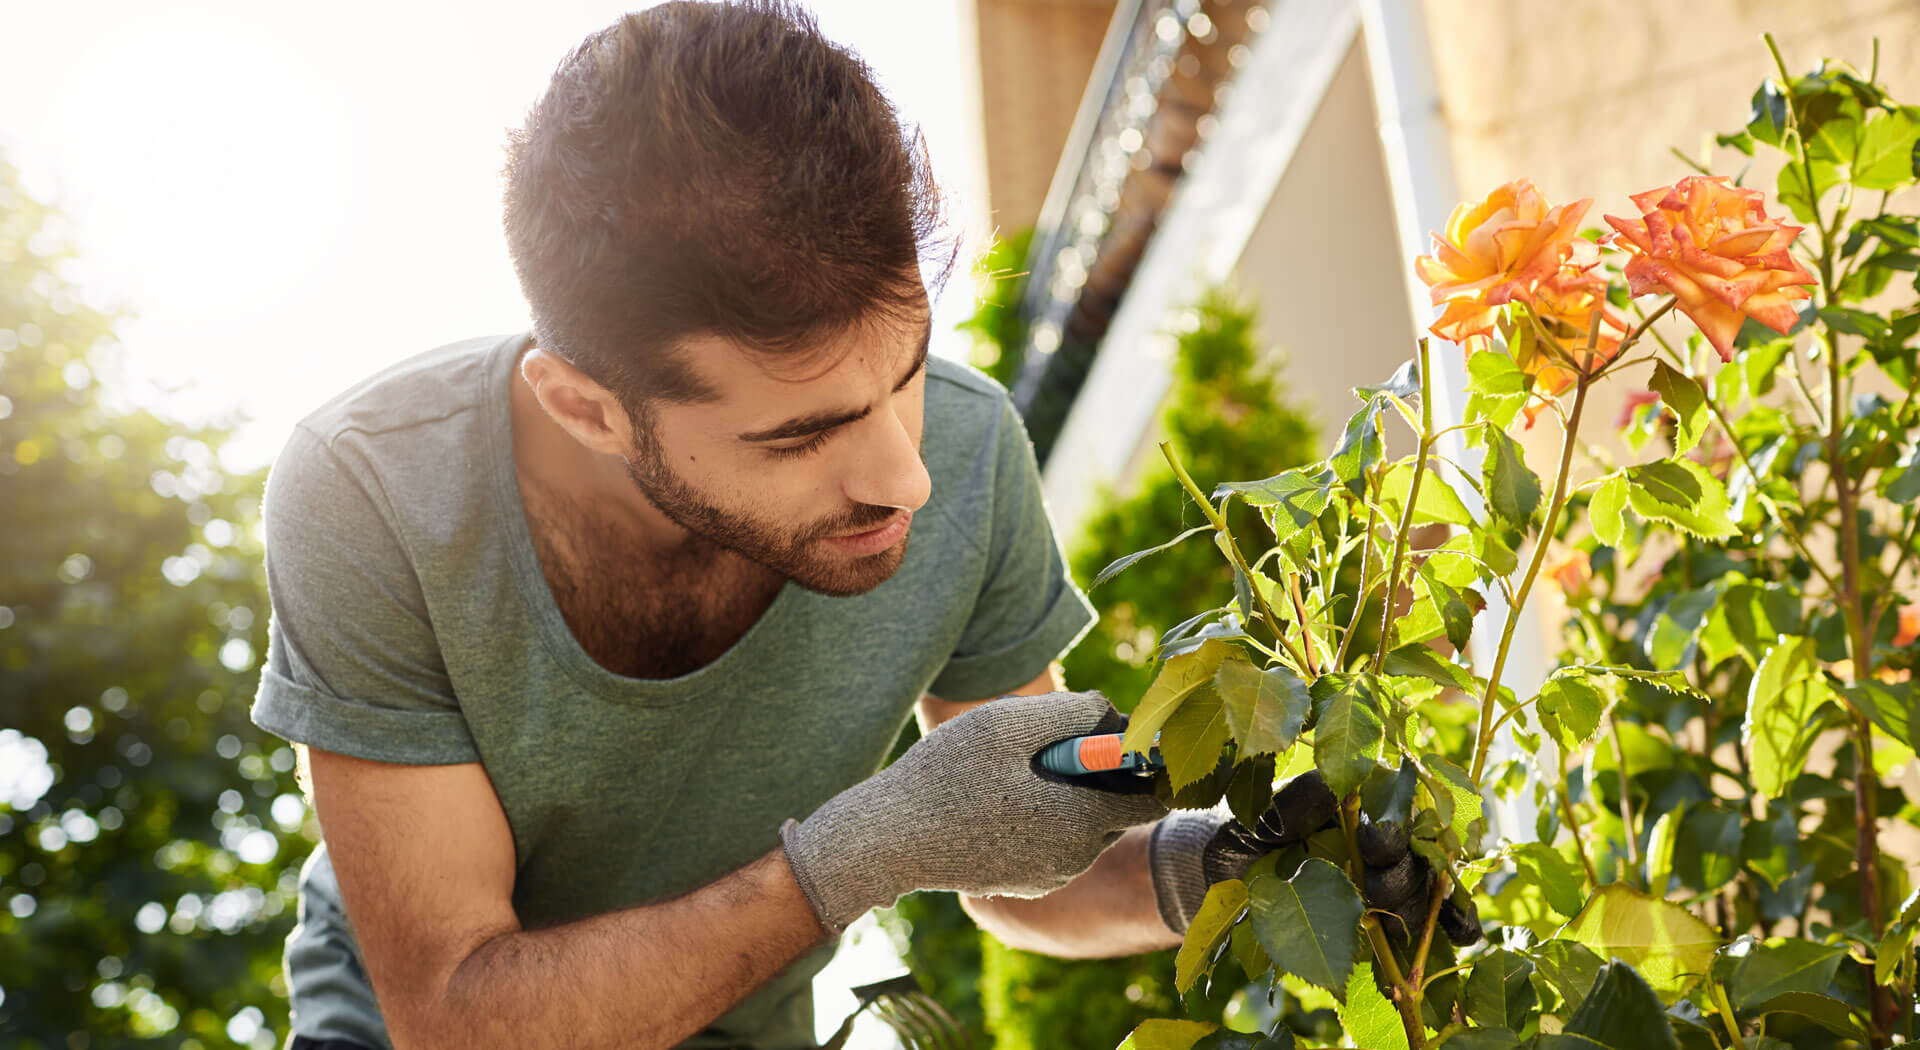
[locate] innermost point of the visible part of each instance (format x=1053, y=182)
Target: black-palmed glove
x=1189, y=852
x=967, y=809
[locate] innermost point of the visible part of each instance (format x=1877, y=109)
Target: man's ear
x=582, y=407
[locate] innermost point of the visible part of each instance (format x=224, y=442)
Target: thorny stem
x=1483, y=738
x=1227, y=544
x=1406, y=513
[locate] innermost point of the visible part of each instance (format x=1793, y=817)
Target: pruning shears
x=1097, y=753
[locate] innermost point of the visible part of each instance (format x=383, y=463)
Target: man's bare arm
x=1108, y=911
x=425, y=860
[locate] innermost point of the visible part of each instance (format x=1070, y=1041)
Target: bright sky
x=290, y=197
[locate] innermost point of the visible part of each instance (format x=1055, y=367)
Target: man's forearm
x=644, y=977
x=1108, y=911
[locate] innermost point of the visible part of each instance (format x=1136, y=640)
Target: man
x=594, y=639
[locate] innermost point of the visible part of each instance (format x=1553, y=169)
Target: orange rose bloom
x=1492, y=253
x=1909, y=626
x=1564, y=304
x=1572, y=572
x=1712, y=245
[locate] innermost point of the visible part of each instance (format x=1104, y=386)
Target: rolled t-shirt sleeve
x=352, y=663
x=1029, y=611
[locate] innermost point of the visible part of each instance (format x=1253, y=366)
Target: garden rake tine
x=948, y=1032
x=911, y=1012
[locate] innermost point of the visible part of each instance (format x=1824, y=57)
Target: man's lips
x=873, y=541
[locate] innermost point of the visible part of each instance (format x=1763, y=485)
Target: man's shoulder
x=963, y=382
x=424, y=388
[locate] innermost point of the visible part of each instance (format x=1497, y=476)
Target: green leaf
x=1403, y=384
x=1891, y=706
x=1298, y=496
x=1571, y=706
x=1569, y=968
x=1481, y=1039
x=1309, y=925
x=1559, y=879
x=1499, y=991
x=1178, y=678
x=1366, y=1015
x=1901, y=482
x=1708, y=853
x=1783, y=965
x=1680, y=493
x=1450, y=782
x=1668, y=945
x=1607, y=511
x=1768, y=121
x=1660, y=843
x=1419, y=661
x=1192, y=739
x=1513, y=491
x=1824, y=1010
x=1684, y=398
x=1246, y=950
x=1388, y=794
x=1884, y=160
x=1780, y=727
x=1676, y=630
x=1161, y=1033
x=1359, y=449
x=1438, y=501
x=1250, y=791
x=1496, y=389
x=1346, y=737
x=1265, y=709
x=1120, y=564
x=1210, y=926
x=1621, y=1013
x=1793, y=189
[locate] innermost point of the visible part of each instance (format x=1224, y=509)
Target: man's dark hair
x=714, y=168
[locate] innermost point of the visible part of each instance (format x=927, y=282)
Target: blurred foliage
x=998, y=327
x=1221, y=413
x=149, y=835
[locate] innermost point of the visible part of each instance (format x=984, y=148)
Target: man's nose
x=890, y=473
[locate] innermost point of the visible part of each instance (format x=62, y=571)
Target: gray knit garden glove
x=1189, y=852
x=966, y=809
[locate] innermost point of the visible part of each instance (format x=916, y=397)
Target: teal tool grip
x=1098, y=753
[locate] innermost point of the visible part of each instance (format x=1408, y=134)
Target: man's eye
x=811, y=445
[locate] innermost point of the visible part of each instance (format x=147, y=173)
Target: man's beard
x=791, y=554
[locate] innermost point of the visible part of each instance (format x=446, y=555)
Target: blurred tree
x=149, y=835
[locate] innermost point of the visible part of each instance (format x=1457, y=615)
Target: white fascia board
x=1414, y=140
x=1230, y=179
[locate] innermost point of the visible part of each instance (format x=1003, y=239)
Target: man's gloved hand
x=1191, y=851
x=967, y=809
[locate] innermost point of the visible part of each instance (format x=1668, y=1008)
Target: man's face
x=810, y=468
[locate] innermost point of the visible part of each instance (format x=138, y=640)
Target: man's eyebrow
x=815, y=422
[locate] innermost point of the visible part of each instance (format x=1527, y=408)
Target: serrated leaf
x=1894, y=707
x=1178, y=678
x=1768, y=120
x=1224, y=902
x=1571, y=706
x=1513, y=490
x=1447, y=780
x=1309, y=925
x=1481, y=1039
x=1708, y=854
x=1569, y=968
x=1388, y=794
x=1779, y=727
x=1675, y=636
x=1621, y=1013
x=1499, y=991
x=1901, y=482
x=1403, y=384
x=1296, y=496
x=1346, y=738
x=1829, y=1013
x=1680, y=493
x=1359, y=449
x=1246, y=950
x=1668, y=944
x=1120, y=565
x=1366, y=1015
x=1684, y=398
x=1560, y=880
x=1884, y=158
x=1419, y=661
x=1250, y=791
x=1192, y=739
x=1781, y=966
x=1438, y=500
x=1265, y=708
x=1607, y=511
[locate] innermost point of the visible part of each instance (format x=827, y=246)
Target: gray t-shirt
x=412, y=624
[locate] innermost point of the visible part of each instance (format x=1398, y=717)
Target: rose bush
x=1677, y=842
